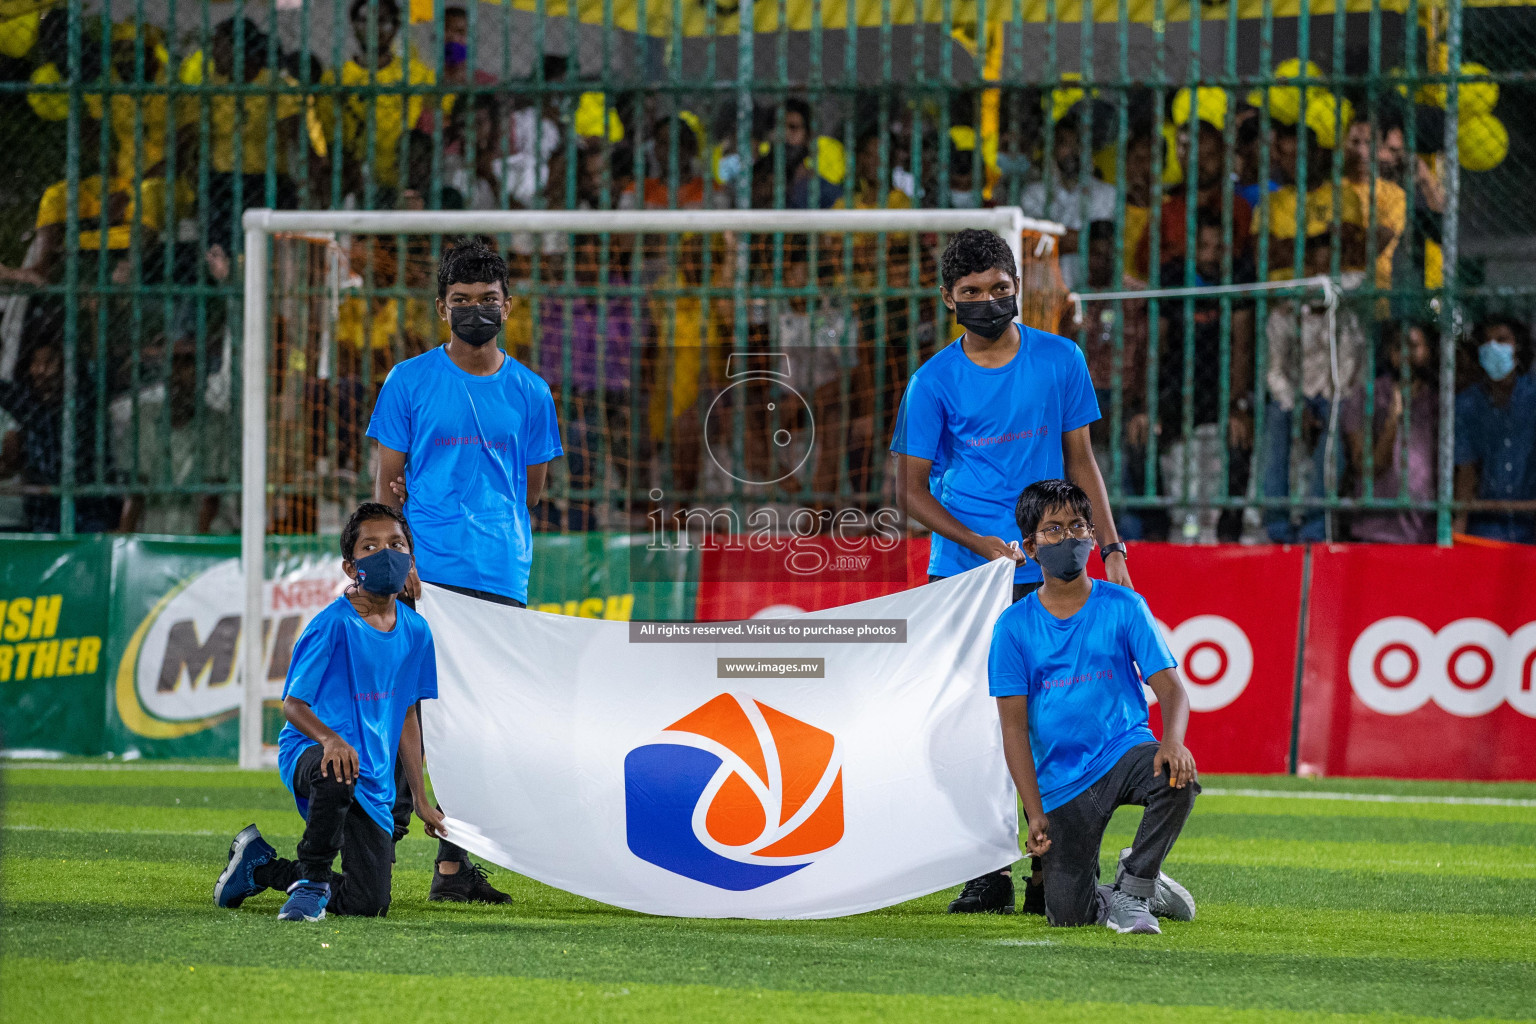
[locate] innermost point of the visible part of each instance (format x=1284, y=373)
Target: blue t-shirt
x=468, y=443
x=1083, y=678
x=360, y=683
x=992, y=433
x=1251, y=194
x=1501, y=441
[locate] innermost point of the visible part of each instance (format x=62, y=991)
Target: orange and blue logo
x=734, y=794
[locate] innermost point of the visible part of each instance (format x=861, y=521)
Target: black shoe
x=1034, y=898
x=467, y=885
x=990, y=894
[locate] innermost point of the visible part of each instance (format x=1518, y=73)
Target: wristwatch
x=1109, y=549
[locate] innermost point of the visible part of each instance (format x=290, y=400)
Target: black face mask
x=988, y=319
x=1066, y=559
x=475, y=325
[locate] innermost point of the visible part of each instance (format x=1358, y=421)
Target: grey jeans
x=1072, y=891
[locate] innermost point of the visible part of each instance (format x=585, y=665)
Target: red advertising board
x=741, y=583
x=1421, y=663
x=1229, y=612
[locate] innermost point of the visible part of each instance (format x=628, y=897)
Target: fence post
x=1450, y=311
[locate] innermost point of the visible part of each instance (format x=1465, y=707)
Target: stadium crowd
x=156, y=263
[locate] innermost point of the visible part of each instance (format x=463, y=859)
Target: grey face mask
x=1067, y=559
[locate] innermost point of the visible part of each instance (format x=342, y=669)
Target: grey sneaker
x=1172, y=900
x=1130, y=915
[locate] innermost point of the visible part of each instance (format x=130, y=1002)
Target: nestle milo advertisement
x=176, y=640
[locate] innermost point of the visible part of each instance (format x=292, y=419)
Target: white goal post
x=261, y=224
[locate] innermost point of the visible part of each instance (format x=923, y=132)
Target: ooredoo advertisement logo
x=1468, y=668
x=1215, y=659
x=734, y=794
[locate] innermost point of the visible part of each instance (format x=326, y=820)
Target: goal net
x=736, y=370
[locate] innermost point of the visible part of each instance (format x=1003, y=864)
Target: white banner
x=634, y=774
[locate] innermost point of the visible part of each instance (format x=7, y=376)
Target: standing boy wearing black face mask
x=1066, y=666
x=466, y=434
x=357, y=673
x=1002, y=406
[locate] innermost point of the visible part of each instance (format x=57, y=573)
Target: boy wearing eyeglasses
x=999, y=407
x=1067, y=666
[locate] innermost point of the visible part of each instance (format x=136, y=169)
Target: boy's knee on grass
x=1077, y=910
x=364, y=908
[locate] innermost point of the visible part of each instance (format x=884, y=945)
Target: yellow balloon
x=1482, y=142
x=1285, y=101
x=19, y=35
x=1063, y=100
x=50, y=106
x=1474, y=98
x=1285, y=105
x=1329, y=118
x=831, y=159
x=963, y=137
x=1210, y=106
x=591, y=117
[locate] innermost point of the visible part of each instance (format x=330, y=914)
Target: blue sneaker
x=238, y=881
x=306, y=901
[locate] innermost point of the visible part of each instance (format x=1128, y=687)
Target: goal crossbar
x=260, y=224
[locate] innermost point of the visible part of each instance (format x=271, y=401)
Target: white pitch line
x=113, y=766
x=1369, y=798
x=115, y=831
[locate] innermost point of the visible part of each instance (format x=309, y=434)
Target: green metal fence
x=1386, y=145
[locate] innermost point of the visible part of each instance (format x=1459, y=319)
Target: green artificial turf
x=1311, y=909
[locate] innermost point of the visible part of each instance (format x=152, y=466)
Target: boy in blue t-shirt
x=1067, y=666
x=353, y=737
x=466, y=434
x=1000, y=407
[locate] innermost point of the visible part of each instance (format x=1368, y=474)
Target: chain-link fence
x=1384, y=145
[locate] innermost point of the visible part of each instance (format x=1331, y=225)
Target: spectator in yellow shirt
x=1318, y=208
x=125, y=108
x=372, y=124
x=1383, y=194
x=237, y=152
x=135, y=194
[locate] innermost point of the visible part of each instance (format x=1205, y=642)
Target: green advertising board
x=611, y=576
x=131, y=644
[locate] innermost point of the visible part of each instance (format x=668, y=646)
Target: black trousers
x=337, y=823
x=445, y=849
x=1020, y=592
x=1072, y=894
